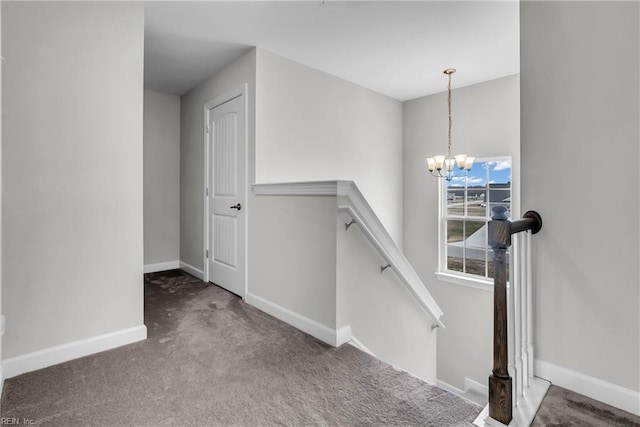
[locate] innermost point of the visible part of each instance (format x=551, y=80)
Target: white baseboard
x=343, y=335
x=471, y=394
x=323, y=333
x=450, y=388
x=471, y=386
x=161, y=266
x=2, y=325
x=358, y=344
x=609, y=393
x=192, y=270
x=62, y=353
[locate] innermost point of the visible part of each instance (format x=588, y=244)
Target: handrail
x=499, y=238
x=355, y=205
x=531, y=220
x=352, y=203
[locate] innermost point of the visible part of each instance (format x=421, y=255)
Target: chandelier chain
x=450, y=119
x=443, y=166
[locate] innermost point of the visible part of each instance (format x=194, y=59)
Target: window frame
x=459, y=277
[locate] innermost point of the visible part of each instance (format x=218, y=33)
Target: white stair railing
x=352, y=203
x=519, y=322
x=514, y=392
x=355, y=206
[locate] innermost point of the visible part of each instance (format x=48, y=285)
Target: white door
x=226, y=196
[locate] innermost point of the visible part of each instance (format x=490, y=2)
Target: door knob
x=238, y=206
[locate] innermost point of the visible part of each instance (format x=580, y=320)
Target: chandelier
x=445, y=166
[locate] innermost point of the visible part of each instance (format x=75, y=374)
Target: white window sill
x=470, y=282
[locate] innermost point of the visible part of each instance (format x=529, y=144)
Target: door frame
x=240, y=91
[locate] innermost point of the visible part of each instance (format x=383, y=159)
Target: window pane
x=499, y=185
x=475, y=247
x=500, y=172
x=475, y=202
x=475, y=266
x=455, y=202
x=456, y=182
x=475, y=235
x=454, y=263
x=499, y=194
x=477, y=176
x=455, y=231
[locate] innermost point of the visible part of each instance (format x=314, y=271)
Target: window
x=466, y=204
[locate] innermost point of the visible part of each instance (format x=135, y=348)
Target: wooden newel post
x=500, y=383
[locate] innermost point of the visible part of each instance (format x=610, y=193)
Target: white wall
x=1, y=114
x=293, y=255
x=161, y=177
x=485, y=123
x=312, y=273
x=241, y=71
x=72, y=172
x=381, y=312
x=304, y=125
x=311, y=126
x=580, y=133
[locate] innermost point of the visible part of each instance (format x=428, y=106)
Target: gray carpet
x=562, y=407
x=211, y=359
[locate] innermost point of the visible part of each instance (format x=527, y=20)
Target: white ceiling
x=396, y=48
